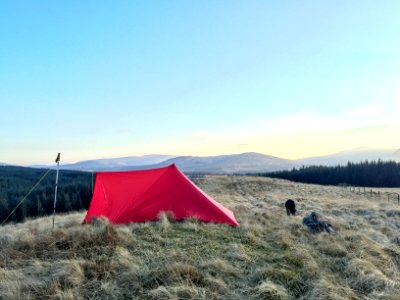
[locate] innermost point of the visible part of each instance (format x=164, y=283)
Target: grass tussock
x=270, y=290
x=270, y=256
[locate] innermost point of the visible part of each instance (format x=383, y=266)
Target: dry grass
x=270, y=256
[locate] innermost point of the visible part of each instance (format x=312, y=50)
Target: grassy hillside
x=271, y=256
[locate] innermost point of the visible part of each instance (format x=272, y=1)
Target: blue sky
x=292, y=79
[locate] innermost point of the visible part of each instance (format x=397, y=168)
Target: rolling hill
x=228, y=164
x=270, y=256
x=111, y=164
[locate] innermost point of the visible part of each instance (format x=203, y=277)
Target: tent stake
x=55, y=193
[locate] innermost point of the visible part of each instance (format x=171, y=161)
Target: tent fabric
x=138, y=196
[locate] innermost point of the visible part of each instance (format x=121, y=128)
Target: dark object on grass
x=315, y=225
x=290, y=207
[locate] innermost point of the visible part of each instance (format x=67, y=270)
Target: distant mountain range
x=249, y=162
x=355, y=155
x=113, y=164
x=227, y=164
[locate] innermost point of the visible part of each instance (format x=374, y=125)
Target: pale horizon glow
x=96, y=79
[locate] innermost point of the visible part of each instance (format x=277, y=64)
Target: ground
x=270, y=256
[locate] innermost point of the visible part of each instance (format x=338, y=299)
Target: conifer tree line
x=74, y=192
x=364, y=174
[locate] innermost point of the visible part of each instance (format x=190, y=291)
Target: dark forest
x=74, y=192
x=364, y=174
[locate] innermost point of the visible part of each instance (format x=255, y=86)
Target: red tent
x=138, y=196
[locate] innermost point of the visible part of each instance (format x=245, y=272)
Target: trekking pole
x=55, y=193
